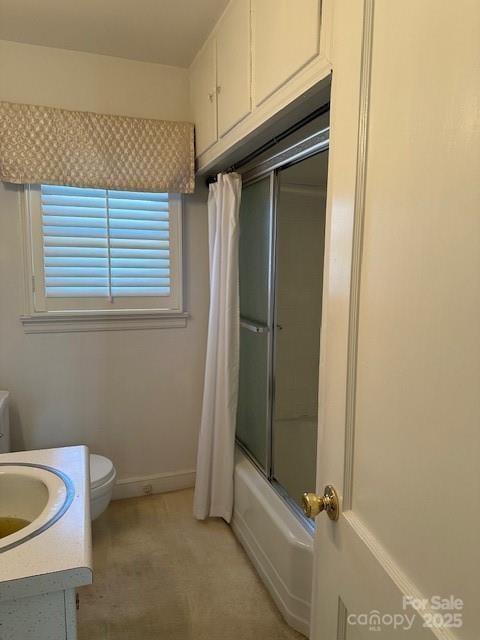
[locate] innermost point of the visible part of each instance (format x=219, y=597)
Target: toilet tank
x=4, y=423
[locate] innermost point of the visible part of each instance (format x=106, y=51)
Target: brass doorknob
x=314, y=504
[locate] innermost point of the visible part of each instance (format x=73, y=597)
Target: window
x=103, y=252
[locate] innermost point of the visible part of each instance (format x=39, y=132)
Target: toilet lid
x=101, y=470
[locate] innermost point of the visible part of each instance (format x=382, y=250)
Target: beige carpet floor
x=161, y=575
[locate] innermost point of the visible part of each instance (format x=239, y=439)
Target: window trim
x=36, y=320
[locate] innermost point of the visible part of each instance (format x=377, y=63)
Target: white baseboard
x=158, y=483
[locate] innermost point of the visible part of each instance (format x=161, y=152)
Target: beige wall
x=89, y=82
x=134, y=396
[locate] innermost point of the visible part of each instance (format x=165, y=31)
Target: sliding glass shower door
x=300, y=234
x=254, y=409
x=282, y=231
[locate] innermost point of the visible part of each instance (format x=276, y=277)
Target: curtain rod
x=273, y=141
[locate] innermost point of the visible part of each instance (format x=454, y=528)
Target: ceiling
x=164, y=31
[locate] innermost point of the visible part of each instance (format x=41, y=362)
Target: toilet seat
x=102, y=471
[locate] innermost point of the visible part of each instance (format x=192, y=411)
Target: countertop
x=61, y=557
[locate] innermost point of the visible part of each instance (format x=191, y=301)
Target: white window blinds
x=105, y=249
x=105, y=243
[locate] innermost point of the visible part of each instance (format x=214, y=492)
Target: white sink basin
x=33, y=493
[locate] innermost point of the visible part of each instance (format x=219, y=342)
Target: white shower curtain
x=216, y=447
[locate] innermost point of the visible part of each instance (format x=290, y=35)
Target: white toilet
x=102, y=471
x=102, y=481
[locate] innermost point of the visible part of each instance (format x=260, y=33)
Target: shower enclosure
x=282, y=229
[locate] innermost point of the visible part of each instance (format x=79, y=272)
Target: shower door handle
x=254, y=327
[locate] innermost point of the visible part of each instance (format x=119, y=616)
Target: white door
x=399, y=433
x=234, y=66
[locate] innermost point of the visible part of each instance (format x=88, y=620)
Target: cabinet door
x=72, y=603
x=233, y=66
x=37, y=617
x=286, y=36
x=203, y=83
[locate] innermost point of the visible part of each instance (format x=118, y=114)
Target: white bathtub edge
x=284, y=560
x=277, y=589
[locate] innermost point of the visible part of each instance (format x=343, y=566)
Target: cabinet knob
x=212, y=94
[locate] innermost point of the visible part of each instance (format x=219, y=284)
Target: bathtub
x=279, y=546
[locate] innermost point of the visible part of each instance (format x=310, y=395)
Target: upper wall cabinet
x=203, y=92
x=286, y=37
x=261, y=57
x=220, y=77
x=233, y=66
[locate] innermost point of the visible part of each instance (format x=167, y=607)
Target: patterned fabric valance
x=83, y=149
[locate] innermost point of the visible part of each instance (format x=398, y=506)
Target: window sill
x=56, y=322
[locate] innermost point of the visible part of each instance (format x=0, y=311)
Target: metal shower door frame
x=270, y=167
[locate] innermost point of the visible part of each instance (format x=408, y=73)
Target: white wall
x=134, y=396
x=89, y=82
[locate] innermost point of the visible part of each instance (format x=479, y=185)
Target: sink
x=33, y=498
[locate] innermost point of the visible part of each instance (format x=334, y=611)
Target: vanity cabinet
x=40, y=573
x=43, y=616
x=260, y=57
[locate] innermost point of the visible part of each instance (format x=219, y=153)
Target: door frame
x=350, y=98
